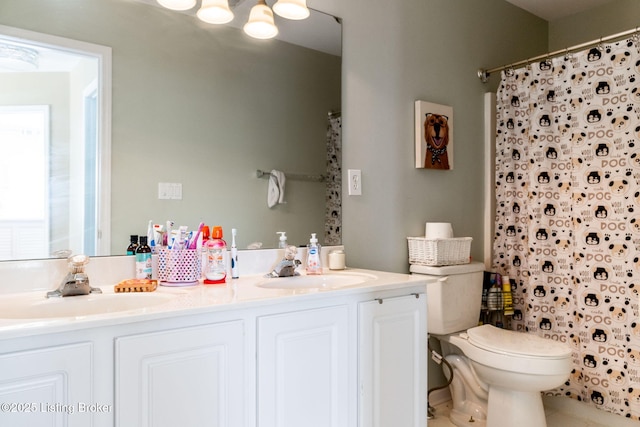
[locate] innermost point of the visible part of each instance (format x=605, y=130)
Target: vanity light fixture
x=292, y=9
x=215, y=12
x=261, y=24
x=18, y=58
x=178, y=4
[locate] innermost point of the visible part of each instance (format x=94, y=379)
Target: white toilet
x=498, y=374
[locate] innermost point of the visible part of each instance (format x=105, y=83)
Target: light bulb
x=292, y=9
x=177, y=4
x=215, y=12
x=260, y=24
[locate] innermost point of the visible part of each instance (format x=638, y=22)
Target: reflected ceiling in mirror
x=203, y=107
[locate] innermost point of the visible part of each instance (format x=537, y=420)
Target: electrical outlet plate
x=355, y=182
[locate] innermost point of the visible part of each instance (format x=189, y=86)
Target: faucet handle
x=77, y=263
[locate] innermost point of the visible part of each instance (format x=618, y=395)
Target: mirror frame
x=103, y=55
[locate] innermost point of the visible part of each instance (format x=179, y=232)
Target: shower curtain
x=333, y=213
x=568, y=213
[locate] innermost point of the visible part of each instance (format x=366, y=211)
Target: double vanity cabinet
x=235, y=355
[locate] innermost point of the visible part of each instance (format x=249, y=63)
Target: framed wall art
x=434, y=136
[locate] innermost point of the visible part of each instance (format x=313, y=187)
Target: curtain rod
x=484, y=74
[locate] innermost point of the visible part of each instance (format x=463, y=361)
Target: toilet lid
x=504, y=341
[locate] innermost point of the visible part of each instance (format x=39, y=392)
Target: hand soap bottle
x=282, y=242
x=314, y=262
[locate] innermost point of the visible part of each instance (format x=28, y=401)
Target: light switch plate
x=169, y=191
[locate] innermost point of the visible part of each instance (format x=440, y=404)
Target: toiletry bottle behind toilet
x=314, y=263
x=216, y=268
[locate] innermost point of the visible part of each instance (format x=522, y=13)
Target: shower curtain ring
x=509, y=71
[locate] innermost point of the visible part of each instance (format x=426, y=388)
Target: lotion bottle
x=314, y=262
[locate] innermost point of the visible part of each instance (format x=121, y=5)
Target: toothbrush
x=194, y=242
x=150, y=239
x=234, y=255
x=168, y=233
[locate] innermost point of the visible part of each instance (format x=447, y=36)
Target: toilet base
x=509, y=408
x=468, y=395
x=461, y=419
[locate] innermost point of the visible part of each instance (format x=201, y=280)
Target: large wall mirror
x=192, y=104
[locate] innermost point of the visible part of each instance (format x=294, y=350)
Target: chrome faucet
x=286, y=267
x=76, y=282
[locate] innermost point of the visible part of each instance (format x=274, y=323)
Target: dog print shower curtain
x=333, y=192
x=568, y=213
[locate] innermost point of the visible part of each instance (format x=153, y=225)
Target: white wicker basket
x=439, y=251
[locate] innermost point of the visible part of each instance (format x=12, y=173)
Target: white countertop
x=197, y=299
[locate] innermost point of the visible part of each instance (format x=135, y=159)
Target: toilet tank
x=454, y=299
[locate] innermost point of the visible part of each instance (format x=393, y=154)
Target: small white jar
x=337, y=260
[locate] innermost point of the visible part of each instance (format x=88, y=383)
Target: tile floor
x=555, y=418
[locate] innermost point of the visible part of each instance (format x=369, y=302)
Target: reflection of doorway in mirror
x=91, y=202
x=24, y=159
x=73, y=79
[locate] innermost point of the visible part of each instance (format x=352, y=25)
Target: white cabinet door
x=188, y=377
x=302, y=368
x=47, y=387
x=392, y=362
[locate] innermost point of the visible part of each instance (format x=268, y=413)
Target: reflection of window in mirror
x=24, y=159
x=55, y=146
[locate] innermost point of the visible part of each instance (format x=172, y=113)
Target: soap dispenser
x=282, y=244
x=314, y=263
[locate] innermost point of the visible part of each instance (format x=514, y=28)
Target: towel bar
x=293, y=176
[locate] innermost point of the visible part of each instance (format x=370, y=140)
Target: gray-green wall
x=419, y=50
x=602, y=21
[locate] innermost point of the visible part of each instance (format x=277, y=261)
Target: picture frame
x=433, y=136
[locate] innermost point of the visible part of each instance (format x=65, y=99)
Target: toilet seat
x=496, y=348
x=514, y=343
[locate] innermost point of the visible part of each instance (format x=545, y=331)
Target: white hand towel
x=275, y=192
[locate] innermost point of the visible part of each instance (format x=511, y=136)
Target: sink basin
x=36, y=306
x=324, y=281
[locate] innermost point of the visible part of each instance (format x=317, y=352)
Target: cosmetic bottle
x=131, y=250
x=314, y=263
x=216, y=268
x=143, y=260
